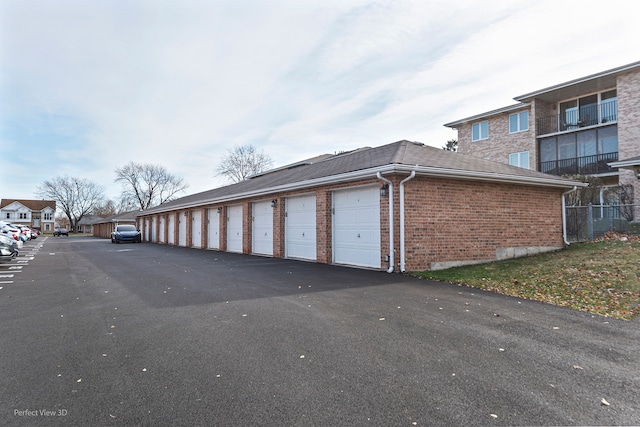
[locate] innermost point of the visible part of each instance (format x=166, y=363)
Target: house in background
x=102, y=227
x=397, y=207
x=587, y=126
x=36, y=214
x=85, y=225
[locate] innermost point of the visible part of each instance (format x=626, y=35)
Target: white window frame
x=520, y=126
x=517, y=159
x=480, y=135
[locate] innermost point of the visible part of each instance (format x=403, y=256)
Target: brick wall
x=629, y=129
x=452, y=222
x=500, y=142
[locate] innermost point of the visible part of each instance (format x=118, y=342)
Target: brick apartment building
x=401, y=206
x=586, y=126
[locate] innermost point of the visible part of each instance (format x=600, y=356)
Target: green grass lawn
x=601, y=277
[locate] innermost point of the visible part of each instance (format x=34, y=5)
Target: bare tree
x=76, y=197
x=147, y=185
x=452, y=145
x=105, y=209
x=243, y=161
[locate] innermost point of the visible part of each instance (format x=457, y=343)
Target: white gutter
x=564, y=215
x=413, y=174
x=392, y=258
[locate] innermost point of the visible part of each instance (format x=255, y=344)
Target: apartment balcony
x=575, y=119
x=588, y=165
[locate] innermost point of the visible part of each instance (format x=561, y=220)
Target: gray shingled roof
x=129, y=216
x=398, y=157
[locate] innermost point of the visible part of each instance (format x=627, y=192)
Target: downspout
x=413, y=174
x=564, y=215
x=391, y=248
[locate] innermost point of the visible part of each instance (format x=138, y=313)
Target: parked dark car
x=8, y=248
x=126, y=233
x=61, y=232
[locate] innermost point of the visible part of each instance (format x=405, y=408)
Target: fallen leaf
x=604, y=402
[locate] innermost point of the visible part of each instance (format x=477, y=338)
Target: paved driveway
x=142, y=334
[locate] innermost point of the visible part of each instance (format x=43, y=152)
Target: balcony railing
x=606, y=112
x=588, y=165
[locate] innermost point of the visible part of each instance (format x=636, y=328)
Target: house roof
x=594, y=82
x=510, y=108
x=121, y=217
x=34, y=205
x=398, y=157
x=573, y=88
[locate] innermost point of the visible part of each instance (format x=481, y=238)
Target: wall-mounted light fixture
x=185, y=213
x=384, y=190
x=274, y=202
x=219, y=210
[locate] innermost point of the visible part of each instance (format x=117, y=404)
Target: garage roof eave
x=300, y=185
x=371, y=173
x=550, y=181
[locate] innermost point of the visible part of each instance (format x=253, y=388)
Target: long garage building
x=401, y=206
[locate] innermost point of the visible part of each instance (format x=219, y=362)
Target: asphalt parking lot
x=93, y=333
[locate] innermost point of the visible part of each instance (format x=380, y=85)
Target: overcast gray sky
x=87, y=86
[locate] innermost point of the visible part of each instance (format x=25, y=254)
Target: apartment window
x=480, y=131
x=22, y=215
x=520, y=159
x=48, y=217
x=8, y=215
x=519, y=122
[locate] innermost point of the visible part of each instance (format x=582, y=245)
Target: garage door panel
x=356, y=227
x=300, y=227
x=171, y=238
x=196, y=229
x=234, y=228
x=213, y=237
x=182, y=229
x=162, y=222
x=262, y=228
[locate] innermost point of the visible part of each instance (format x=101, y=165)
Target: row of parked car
x=11, y=238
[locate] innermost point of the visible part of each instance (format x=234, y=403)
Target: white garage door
x=300, y=227
x=196, y=229
x=356, y=227
x=154, y=222
x=162, y=222
x=213, y=238
x=182, y=228
x=147, y=226
x=171, y=231
x=234, y=228
x=262, y=233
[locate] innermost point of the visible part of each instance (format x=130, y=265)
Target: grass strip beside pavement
x=600, y=277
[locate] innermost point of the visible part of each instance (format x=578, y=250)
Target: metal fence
x=593, y=221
